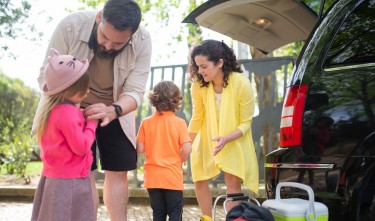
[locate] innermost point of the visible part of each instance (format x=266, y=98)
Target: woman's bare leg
x=204, y=197
x=233, y=184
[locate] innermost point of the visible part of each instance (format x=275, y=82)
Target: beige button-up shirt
x=131, y=66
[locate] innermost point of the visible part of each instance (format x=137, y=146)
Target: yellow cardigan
x=236, y=111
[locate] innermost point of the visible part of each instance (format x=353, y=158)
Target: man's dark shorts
x=115, y=150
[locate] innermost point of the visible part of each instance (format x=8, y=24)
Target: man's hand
x=100, y=111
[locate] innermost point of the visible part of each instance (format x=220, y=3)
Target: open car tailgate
x=264, y=24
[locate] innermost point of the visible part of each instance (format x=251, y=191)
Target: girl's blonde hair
x=80, y=87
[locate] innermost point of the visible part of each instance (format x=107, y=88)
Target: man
x=119, y=51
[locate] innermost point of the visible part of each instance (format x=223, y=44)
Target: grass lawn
x=32, y=174
x=34, y=168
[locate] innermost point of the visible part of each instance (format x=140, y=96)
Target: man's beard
x=99, y=50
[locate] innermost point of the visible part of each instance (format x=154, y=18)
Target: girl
x=65, y=137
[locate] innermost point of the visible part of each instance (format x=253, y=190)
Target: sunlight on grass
x=34, y=168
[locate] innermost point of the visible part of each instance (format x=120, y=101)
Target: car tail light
x=291, y=116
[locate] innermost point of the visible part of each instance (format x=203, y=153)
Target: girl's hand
x=221, y=141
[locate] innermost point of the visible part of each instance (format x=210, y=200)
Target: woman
x=220, y=127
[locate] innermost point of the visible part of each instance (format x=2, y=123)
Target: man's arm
x=132, y=90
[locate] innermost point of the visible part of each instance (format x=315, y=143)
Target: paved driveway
x=18, y=211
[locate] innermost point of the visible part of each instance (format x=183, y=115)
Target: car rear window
x=354, y=42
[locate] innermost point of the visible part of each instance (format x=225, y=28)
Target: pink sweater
x=66, y=144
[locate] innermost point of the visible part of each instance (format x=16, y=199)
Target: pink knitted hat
x=62, y=71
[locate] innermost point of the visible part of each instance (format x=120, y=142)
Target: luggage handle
x=239, y=198
x=311, y=208
x=229, y=195
x=235, y=194
x=233, y=197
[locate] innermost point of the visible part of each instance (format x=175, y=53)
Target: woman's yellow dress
x=236, y=111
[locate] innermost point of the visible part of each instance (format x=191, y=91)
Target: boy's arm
x=140, y=147
x=185, y=151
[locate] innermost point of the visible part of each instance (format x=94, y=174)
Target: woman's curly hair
x=214, y=51
x=166, y=96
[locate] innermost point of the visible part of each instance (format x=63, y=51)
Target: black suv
x=327, y=130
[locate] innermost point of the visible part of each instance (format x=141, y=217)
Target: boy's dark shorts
x=116, y=152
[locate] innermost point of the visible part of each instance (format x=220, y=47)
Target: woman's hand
x=221, y=141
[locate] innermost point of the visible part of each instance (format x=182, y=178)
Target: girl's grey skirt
x=63, y=199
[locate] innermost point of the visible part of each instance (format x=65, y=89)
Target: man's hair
x=122, y=14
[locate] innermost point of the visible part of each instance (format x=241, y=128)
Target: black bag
x=249, y=211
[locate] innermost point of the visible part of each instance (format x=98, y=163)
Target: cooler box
x=295, y=209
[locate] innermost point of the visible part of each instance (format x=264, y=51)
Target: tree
x=159, y=11
x=12, y=13
x=17, y=107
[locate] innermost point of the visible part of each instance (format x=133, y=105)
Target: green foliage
x=17, y=107
x=93, y=3
x=187, y=101
x=160, y=9
x=292, y=49
x=16, y=155
x=315, y=5
x=34, y=168
x=194, y=36
x=12, y=13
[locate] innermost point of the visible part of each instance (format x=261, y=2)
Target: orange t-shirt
x=163, y=136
